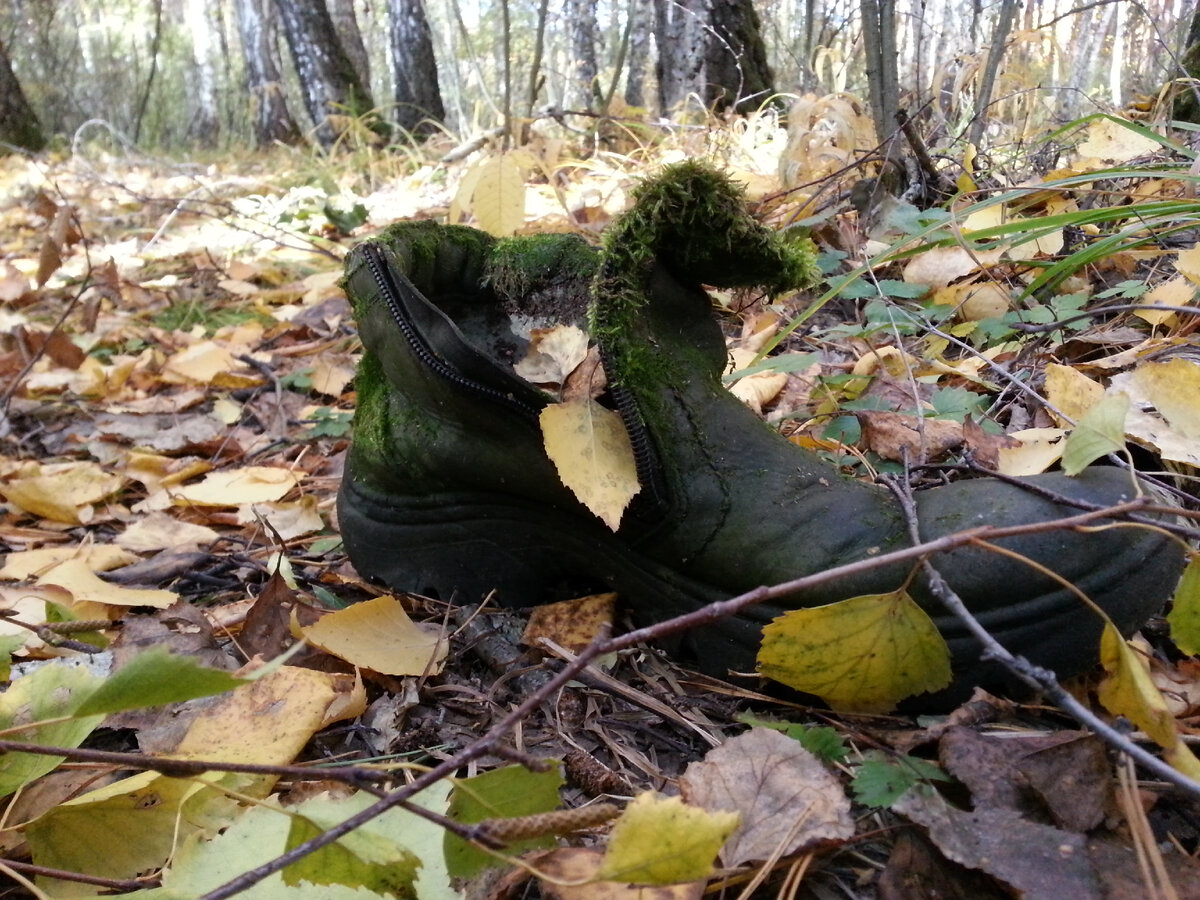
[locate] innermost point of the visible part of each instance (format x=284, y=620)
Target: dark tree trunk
x=418, y=96
x=328, y=81
x=346, y=25
x=738, y=73
x=879, y=39
x=712, y=49
x=272, y=119
x=19, y=126
x=639, y=52
x=1187, y=102
x=582, y=88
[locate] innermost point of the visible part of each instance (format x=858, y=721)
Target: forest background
x=194, y=75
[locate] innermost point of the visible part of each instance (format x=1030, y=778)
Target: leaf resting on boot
x=590, y=447
x=864, y=654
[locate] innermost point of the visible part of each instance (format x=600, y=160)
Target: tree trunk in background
x=19, y=125
x=582, y=90
x=203, y=96
x=327, y=78
x=680, y=36
x=348, y=32
x=1187, y=101
x=639, y=53
x=712, y=49
x=418, y=95
x=1004, y=23
x=272, y=119
x=883, y=80
x=736, y=69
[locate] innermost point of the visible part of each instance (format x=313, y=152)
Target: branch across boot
x=448, y=488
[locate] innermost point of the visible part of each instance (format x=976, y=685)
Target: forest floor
x=178, y=363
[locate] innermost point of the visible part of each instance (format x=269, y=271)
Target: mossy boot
x=448, y=488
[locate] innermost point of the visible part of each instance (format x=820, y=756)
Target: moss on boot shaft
x=693, y=220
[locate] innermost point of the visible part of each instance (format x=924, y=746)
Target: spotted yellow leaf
x=864, y=654
x=590, y=447
x=662, y=840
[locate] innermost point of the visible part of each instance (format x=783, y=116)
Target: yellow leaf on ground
x=1129, y=691
x=590, y=447
x=569, y=873
x=237, y=487
x=661, y=840
x=290, y=520
x=99, y=558
x=331, y=373
x=1070, y=393
x=160, y=531
x=1188, y=263
x=76, y=577
x=1178, y=291
x=378, y=634
x=498, y=201
x=1173, y=388
x=62, y=492
x=1115, y=141
x=864, y=654
x=1040, y=449
x=201, y=362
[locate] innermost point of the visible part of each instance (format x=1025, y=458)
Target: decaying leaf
x=591, y=450
x=553, y=354
x=572, y=624
x=864, y=654
x=758, y=774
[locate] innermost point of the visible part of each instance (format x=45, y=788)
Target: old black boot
x=448, y=487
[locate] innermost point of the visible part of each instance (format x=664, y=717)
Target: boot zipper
x=384, y=279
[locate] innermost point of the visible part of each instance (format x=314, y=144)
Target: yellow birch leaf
x=662, y=840
x=237, y=487
x=864, y=654
x=1071, y=393
x=1129, y=691
x=378, y=634
x=1114, y=141
x=1173, y=388
x=1040, y=449
x=99, y=558
x=331, y=373
x=590, y=447
x=1178, y=291
x=61, y=493
x=84, y=585
x=1184, y=617
x=201, y=362
x=1100, y=431
x=1188, y=263
x=498, y=200
x=290, y=520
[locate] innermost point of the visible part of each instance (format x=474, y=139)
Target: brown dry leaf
x=571, y=624
x=569, y=873
x=378, y=635
x=587, y=381
x=786, y=797
x=77, y=578
x=590, y=448
x=897, y=436
x=61, y=492
x=917, y=871
x=553, y=354
x=984, y=445
x=1038, y=861
x=237, y=487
